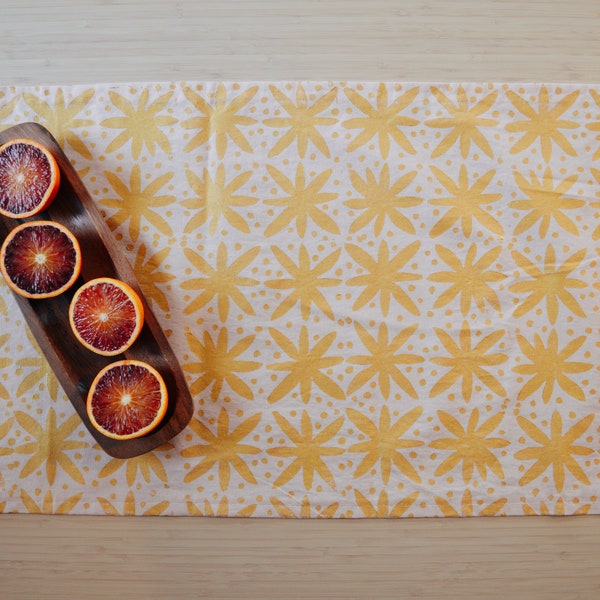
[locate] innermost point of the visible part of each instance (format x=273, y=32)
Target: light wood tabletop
x=66, y=41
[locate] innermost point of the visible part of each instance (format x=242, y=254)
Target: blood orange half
x=40, y=259
x=106, y=315
x=127, y=399
x=29, y=178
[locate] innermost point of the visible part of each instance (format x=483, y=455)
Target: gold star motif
x=307, y=451
x=381, y=199
x=223, y=281
x=549, y=366
x=47, y=505
x=466, y=203
x=50, y=446
x=464, y=122
x=545, y=202
x=383, y=360
x=145, y=463
x=471, y=445
x=466, y=506
x=466, y=362
x=471, y=280
x=383, y=275
x=130, y=509
x=4, y=362
x=141, y=125
x=556, y=450
x=215, y=198
x=306, y=510
x=301, y=202
x=147, y=271
x=222, y=509
x=382, y=121
x=382, y=510
x=135, y=203
x=552, y=283
x=62, y=119
x=305, y=282
x=223, y=449
x=302, y=122
x=595, y=126
x=222, y=120
x=218, y=364
x=545, y=123
x=306, y=367
x=385, y=443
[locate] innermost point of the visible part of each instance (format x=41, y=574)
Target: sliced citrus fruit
x=127, y=399
x=106, y=315
x=40, y=259
x=29, y=178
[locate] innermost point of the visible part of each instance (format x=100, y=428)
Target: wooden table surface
x=92, y=41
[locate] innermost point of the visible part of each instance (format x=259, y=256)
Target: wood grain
x=75, y=366
x=66, y=41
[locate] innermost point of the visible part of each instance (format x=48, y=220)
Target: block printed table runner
x=384, y=296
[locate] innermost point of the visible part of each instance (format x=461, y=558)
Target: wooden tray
x=75, y=366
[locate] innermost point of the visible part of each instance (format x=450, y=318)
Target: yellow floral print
x=306, y=511
x=215, y=199
x=467, y=362
x=223, y=448
x=222, y=120
x=595, y=126
x=382, y=121
x=596, y=233
x=559, y=509
x=4, y=363
x=556, y=450
x=381, y=199
x=471, y=445
x=142, y=125
x=130, y=508
x=549, y=365
x=552, y=283
x=134, y=203
x=146, y=464
x=464, y=122
x=221, y=511
x=301, y=203
x=62, y=120
x=307, y=451
x=466, y=203
x=545, y=202
x=306, y=367
x=466, y=506
x=384, y=298
x=383, y=275
x=471, y=280
x=218, y=364
x=50, y=445
x=147, y=271
x=305, y=283
x=385, y=443
x=383, y=510
x=6, y=110
x=223, y=281
x=47, y=506
x=383, y=360
x=545, y=123
x=302, y=121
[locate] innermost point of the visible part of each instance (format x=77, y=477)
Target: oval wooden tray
x=75, y=366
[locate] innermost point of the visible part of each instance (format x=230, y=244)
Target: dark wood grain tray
x=75, y=366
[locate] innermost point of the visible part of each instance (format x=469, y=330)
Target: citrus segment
x=106, y=315
x=127, y=399
x=29, y=178
x=40, y=259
